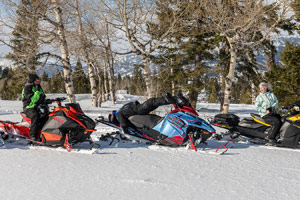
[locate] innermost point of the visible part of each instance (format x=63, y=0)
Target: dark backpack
x=227, y=119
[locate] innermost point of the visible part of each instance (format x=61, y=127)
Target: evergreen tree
x=212, y=89
x=183, y=62
x=13, y=83
x=24, y=44
x=18, y=82
x=138, y=85
x=285, y=79
x=5, y=93
x=46, y=82
x=80, y=80
x=6, y=72
x=118, y=82
x=57, y=84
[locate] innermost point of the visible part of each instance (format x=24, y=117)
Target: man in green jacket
x=32, y=96
x=266, y=103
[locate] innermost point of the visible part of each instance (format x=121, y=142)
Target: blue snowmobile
x=181, y=126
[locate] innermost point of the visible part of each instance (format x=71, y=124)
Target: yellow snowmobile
x=256, y=127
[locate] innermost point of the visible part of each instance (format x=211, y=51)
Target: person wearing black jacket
x=136, y=108
x=32, y=96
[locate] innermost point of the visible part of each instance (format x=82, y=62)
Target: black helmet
x=32, y=78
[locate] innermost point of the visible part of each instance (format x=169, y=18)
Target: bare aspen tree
x=222, y=87
x=64, y=51
x=110, y=62
x=84, y=49
x=132, y=18
x=105, y=78
x=239, y=22
x=22, y=19
x=253, y=92
x=100, y=86
x=100, y=30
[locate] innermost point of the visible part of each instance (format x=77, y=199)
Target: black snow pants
x=34, y=115
x=275, y=123
x=135, y=108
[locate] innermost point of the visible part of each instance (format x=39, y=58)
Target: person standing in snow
x=266, y=103
x=32, y=96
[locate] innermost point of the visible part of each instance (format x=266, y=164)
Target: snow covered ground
x=140, y=171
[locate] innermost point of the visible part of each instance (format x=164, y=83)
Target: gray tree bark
x=64, y=52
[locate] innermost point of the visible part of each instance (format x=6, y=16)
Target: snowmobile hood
x=176, y=124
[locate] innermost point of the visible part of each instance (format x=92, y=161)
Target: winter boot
x=181, y=100
x=170, y=99
x=32, y=138
x=271, y=142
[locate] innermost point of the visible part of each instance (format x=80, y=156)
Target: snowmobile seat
x=259, y=118
x=249, y=123
x=145, y=121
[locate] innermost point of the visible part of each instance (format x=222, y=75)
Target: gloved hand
x=270, y=109
x=38, y=87
x=169, y=98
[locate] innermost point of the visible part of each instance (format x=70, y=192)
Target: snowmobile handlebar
x=291, y=108
x=59, y=99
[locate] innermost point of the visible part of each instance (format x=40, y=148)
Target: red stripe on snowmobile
x=74, y=110
x=171, y=141
x=176, y=139
x=186, y=109
x=146, y=136
x=26, y=118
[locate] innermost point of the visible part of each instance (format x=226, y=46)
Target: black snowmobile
x=257, y=128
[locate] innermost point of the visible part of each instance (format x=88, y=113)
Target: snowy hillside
x=135, y=170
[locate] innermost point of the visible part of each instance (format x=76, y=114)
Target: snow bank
x=139, y=171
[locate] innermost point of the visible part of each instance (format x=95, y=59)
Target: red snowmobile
x=64, y=126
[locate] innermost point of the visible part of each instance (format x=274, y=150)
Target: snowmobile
x=182, y=126
x=64, y=126
x=257, y=128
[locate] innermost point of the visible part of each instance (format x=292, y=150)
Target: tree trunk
x=253, y=93
x=86, y=57
x=110, y=61
x=172, y=82
x=64, y=52
x=111, y=83
x=229, y=80
x=172, y=72
x=105, y=81
x=222, y=87
x=193, y=97
x=100, y=86
x=147, y=74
